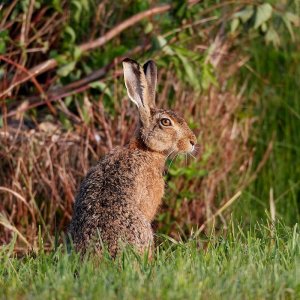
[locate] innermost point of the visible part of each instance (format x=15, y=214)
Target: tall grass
x=261, y=263
x=275, y=88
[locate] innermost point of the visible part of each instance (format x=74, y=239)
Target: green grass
x=240, y=263
x=261, y=263
x=274, y=90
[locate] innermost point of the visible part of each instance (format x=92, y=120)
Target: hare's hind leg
x=139, y=234
x=116, y=234
x=126, y=227
x=131, y=229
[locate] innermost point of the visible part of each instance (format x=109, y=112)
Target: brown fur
x=119, y=197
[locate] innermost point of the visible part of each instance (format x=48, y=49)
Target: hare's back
x=110, y=180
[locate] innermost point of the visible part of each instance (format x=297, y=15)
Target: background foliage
x=231, y=68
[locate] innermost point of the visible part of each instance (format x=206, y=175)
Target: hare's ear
x=137, y=87
x=150, y=71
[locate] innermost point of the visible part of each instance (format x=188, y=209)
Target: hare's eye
x=165, y=122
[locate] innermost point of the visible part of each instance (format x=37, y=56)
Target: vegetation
x=232, y=68
x=262, y=263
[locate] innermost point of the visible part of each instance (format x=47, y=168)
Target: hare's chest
x=150, y=193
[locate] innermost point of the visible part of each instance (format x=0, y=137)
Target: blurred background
x=231, y=68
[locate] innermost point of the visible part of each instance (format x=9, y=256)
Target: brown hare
x=119, y=197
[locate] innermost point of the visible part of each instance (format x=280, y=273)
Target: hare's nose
x=192, y=143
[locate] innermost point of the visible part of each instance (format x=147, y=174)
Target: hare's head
x=161, y=130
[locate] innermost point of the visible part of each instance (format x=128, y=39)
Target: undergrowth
x=260, y=263
x=275, y=89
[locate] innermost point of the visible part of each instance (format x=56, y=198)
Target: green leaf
x=103, y=87
x=2, y=71
x=85, y=4
x=57, y=5
x=4, y=34
x=77, y=53
x=272, y=37
x=188, y=172
x=24, y=5
x=289, y=27
x=68, y=100
x=264, y=27
x=66, y=69
x=189, y=70
x=294, y=19
x=4, y=37
x=208, y=77
x=37, y=5
x=263, y=14
x=172, y=186
x=234, y=25
x=148, y=28
x=245, y=14
x=207, y=154
x=163, y=44
x=2, y=46
x=61, y=59
x=65, y=122
x=77, y=11
x=86, y=109
x=180, y=9
x=71, y=33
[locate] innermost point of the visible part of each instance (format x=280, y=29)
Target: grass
x=261, y=263
x=246, y=262
x=274, y=88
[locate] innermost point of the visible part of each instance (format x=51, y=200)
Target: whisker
x=173, y=159
x=170, y=154
x=192, y=155
x=165, y=172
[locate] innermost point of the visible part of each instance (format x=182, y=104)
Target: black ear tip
x=149, y=62
x=130, y=61
x=150, y=66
